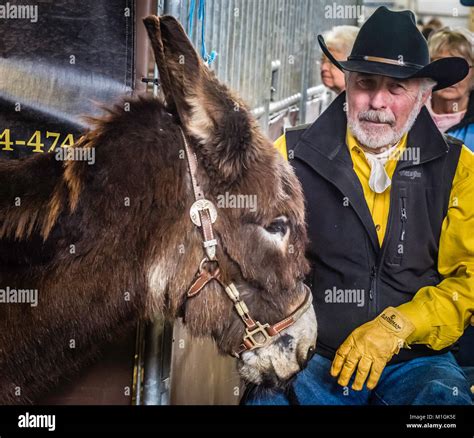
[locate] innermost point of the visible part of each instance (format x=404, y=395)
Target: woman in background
x=452, y=108
x=339, y=41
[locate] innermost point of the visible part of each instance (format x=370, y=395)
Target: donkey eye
x=279, y=225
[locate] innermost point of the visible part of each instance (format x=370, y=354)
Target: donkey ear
x=206, y=108
x=178, y=63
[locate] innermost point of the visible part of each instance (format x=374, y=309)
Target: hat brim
x=445, y=71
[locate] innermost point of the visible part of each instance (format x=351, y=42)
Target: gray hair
x=341, y=38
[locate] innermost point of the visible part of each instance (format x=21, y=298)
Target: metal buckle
x=203, y=263
x=259, y=331
x=200, y=205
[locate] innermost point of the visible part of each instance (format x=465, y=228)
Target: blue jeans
x=429, y=380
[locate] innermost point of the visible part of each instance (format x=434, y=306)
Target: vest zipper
x=373, y=290
x=403, y=219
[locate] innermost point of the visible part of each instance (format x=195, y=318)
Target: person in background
x=340, y=40
x=435, y=23
x=419, y=24
x=431, y=26
x=452, y=108
x=427, y=31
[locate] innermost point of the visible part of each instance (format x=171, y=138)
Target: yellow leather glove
x=369, y=347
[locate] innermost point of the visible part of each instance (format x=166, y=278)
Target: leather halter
x=203, y=214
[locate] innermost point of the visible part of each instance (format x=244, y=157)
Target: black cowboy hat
x=390, y=44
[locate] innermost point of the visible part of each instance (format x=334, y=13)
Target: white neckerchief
x=379, y=180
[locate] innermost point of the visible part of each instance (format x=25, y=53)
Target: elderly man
x=390, y=210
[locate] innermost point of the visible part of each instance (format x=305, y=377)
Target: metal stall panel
x=199, y=374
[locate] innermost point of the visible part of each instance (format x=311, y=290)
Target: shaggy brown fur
x=106, y=244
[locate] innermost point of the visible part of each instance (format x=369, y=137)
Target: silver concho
x=202, y=204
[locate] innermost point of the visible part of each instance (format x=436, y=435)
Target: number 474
x=35, y=141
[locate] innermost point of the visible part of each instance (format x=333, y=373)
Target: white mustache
x=377, y=117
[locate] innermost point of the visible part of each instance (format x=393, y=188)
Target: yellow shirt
x=440, y=313
x=378, y=203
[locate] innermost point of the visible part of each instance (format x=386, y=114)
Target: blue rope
x=208, y=57
x=192, y=6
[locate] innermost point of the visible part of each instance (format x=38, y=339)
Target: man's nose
x=380, y=99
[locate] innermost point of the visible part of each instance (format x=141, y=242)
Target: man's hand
x=369, y=347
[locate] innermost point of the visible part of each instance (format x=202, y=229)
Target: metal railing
x=266, y=49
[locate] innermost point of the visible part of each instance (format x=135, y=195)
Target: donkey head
x=260, y=226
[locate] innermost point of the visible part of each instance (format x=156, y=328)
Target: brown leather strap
x=280, y=326
x=202, y=279
x=209, y=242
x=192, y=163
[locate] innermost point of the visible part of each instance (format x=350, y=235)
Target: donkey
x=109, y=243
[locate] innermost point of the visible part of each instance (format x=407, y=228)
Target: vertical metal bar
x=244, y=86
x=157, y=367
x=235, y=20
x=279, y=45
x=251, y=82
x=305, y=66
x=172, y=7
x=267, y=67
x=138, y=366
x=214, y=37
x=222, y=47
x=286, y=51
x=296, y=49
x=227, y=21
x=240, y=46
x=260, y=52
x=152, y=368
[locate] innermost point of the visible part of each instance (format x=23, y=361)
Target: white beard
x=385, y=135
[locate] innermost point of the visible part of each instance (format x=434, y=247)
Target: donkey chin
x=273, y=366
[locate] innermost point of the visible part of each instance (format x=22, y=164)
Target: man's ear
x=425, y=96
x=427, y=92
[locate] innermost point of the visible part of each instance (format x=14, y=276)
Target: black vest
x=353, y=279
